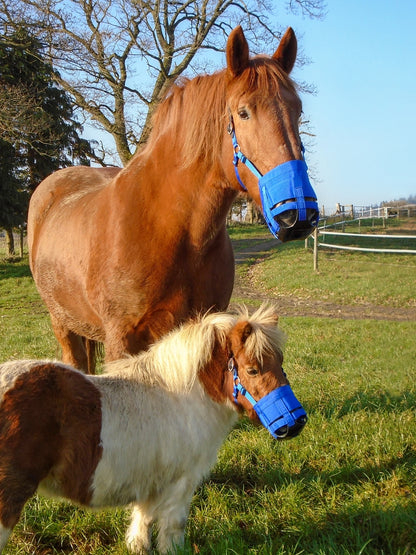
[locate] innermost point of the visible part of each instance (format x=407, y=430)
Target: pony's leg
x=139, y=533
x=4, y=536
x=17, y=485
x=73, y=346
x=15, y=490
x=172, y=516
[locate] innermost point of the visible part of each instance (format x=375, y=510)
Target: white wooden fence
x=322, y=232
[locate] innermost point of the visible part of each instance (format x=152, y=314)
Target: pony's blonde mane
x=175, y=361
x=194, y=112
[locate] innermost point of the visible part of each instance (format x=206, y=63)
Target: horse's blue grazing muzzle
x=289, y=201
x=279, y=411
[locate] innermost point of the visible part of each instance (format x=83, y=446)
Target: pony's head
x=265, y=146
x=252, y=377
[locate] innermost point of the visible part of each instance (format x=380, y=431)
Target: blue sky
x=364, y=113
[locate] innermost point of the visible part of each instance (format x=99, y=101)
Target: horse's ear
x=287, y=50
x=237, y=52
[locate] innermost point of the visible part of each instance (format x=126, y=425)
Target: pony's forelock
x=266, y=336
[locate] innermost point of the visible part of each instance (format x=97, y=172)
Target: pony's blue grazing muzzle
x=281, y=413
x=289, y=201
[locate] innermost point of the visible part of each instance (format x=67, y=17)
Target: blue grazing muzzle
x=279, y=411
x=288, y=200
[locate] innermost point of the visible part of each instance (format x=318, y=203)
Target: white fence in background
x=354, y=211
x=323, y=231
x=367, y=236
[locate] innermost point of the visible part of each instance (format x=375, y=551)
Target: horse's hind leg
x=74, y=352
x=139, y=533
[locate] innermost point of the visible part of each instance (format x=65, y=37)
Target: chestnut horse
x=147, y=430
x=121, y=256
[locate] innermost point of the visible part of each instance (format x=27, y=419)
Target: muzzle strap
x=283, y=189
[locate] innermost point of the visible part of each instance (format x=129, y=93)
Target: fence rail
x=323, y=231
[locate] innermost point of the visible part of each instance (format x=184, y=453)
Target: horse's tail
x=95, y=352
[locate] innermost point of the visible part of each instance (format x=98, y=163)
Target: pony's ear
x=237, y=52
x=245, y=332
x=287, y=50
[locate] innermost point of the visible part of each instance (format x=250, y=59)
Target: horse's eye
x=252, y=371
x=243, y=114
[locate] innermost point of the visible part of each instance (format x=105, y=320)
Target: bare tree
x=20, y=113
x=118, y=58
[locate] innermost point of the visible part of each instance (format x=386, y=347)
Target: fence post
x=315, y=249
x=21, y=241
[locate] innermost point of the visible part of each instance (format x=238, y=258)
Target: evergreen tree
x=39, y=131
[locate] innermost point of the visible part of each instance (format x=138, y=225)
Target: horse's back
x=60, y=189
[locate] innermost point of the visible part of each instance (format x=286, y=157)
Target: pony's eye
x=243, y=114
x=252, y=371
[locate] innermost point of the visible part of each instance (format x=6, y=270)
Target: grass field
x=345, y=486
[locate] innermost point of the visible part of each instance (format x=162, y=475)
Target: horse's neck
x=209, y=212
x=194, y=202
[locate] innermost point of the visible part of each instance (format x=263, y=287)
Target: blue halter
x=286, y=187
x=279, y=411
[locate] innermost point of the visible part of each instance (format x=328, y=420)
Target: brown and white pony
x=143, y=433
x=122, y=256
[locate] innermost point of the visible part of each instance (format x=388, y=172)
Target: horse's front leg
x=122, y=338
x=139, y=533
x=73, y=347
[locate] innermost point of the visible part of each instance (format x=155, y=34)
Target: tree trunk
x=253, y=214
x=10, y=241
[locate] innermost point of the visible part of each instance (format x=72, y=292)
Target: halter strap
x=239, y=156
x=238, y=387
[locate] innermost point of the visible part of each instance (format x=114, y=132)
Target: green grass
x=343, y=277
x=345, y=486
x=25, y=328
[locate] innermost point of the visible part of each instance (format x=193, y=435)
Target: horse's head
x=255, y=379
x=263, y=122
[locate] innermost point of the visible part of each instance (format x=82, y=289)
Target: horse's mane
x=174, y=361
x=194, y=111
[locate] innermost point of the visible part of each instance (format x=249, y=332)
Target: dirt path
x=297, y=306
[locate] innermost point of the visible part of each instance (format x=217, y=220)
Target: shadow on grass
x=372, y=402
x=368, y=526
x=14, y=268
